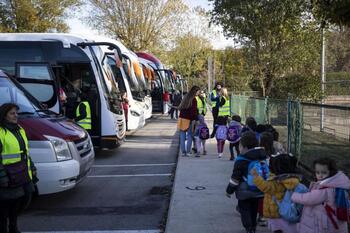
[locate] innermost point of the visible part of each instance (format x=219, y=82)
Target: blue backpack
x=261, y=166
x=221, y=132
x=287, y=209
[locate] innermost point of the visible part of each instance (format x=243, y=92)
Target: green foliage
x=34, y=15
x=278, y=37
x=338, y=50
x=332, y=11
x=302, y=87
x=189, y=58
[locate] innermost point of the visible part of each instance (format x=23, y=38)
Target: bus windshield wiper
x=25, y=113
x=46, y=111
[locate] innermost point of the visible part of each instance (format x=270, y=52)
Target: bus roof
x=65, y=38
x=151, y=58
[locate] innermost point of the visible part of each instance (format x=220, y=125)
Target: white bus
x=127, y=82
x=50, y=65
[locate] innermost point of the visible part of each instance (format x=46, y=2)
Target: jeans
x=249, y=211
x=186, y=136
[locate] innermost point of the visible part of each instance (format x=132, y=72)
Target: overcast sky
x=77, y=27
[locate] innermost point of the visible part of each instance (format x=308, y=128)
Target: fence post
x=267, y=110
x=289, y=124
x=298, y=128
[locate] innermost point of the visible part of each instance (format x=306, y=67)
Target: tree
x=278, y=37
x=189, y=58
x=139, y=24
x=332, y=11
x=231, y=69
x=35, y=15
x=338, y=50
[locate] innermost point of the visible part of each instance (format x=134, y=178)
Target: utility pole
x=210, y=72
x=323, y=76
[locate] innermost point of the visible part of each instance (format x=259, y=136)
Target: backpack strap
x=331, y=213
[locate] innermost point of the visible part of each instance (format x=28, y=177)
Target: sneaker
x=220, y=155
x=262, y=222
x=184, y=154
x=198, y=155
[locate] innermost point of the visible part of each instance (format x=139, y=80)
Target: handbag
x=17, y=174
x=183, y=124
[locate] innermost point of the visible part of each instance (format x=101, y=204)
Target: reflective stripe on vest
x=201, y=105
x=11, y=151
x=213, y=103
x=225, y=109
x=86, y=122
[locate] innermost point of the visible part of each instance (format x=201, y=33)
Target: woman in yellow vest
x=201, y=103
x=17, y=172
x=224, y=105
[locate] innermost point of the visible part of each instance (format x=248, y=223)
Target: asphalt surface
x=128, y=188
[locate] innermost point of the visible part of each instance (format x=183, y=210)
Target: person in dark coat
x=248, y=206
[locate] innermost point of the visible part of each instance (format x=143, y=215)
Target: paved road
x=126, y=189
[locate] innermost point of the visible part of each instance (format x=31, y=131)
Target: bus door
x=39, y=80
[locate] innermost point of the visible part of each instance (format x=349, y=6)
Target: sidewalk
x=208, y=210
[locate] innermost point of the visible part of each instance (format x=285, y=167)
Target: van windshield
x=10, y=93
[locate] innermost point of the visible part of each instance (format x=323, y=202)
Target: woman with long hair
x=188, y=114
x=17, y=172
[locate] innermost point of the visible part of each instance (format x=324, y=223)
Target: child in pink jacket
x=314, y=217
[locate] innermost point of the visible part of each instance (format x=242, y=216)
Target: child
x=201, y=135
x=282, y=178
x=247, y=200
x=250, y=125
x=233, y=135
x=277, y=146
x=220, y=132
x=322, y=196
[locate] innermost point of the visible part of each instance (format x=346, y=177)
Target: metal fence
x=307, y=130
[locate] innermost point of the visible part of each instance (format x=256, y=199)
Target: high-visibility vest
x=86, y=122
x=201, y=105
x=213, y=103
x=11, y=151
x=225, y=109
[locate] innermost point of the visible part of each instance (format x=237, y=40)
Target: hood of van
x=37, y=127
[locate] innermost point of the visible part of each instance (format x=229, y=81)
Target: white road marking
x=134, y=165
x=122, y=231
x=136, y=175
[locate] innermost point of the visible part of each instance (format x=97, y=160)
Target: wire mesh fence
x=308, y=130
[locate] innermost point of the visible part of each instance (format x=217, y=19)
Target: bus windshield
x=132, y=79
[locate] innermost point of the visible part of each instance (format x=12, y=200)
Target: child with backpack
x=241, y=182
x=277, y=189
x=326, y=205
x=234, y=134
x=201, y=135
x=220, y=132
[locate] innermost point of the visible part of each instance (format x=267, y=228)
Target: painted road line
x=137, y=175
x=122, y=231
x=134, y=165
